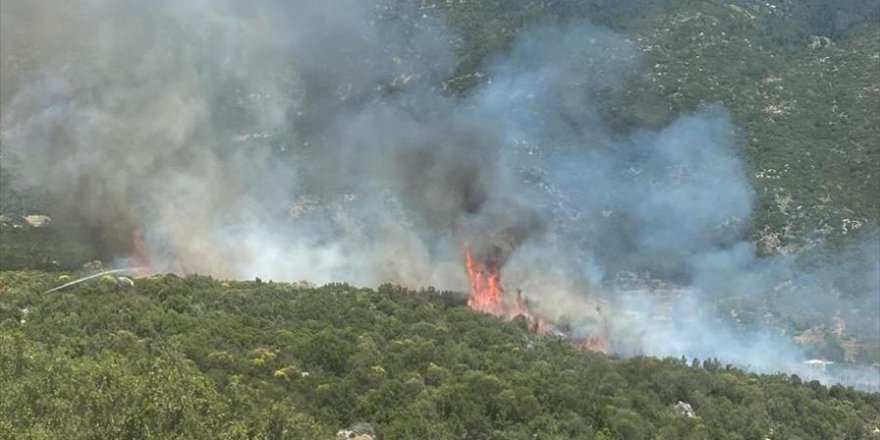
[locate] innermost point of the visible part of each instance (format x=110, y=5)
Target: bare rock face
x=37, y=221
x=358, y=431
x=685, y=409
x=820, y=42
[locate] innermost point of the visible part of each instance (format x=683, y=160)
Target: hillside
x=799, y=78
x=195, y=357
x=689, y=179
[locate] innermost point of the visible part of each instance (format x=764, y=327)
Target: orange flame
x=487, y=296
x=597, y=343
x=486, y=293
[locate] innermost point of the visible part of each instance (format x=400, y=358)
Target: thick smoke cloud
x=314, y=140
x=201, y=123
x=673, y=203
x=125, y=129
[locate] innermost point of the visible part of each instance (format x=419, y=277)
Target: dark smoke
x=316, y=140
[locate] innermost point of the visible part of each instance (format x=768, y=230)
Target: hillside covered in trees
x=195, y=358
x=236, y=139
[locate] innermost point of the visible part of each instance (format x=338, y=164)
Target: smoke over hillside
x=316, y=140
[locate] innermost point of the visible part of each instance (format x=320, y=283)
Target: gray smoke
x=672, y=205
x=315, y=140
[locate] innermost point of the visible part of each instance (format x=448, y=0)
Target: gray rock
x=685, y=409
x=125, y=282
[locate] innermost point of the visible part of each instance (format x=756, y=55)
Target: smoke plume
x=316, y=140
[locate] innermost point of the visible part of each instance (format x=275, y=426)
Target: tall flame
x=486, y=292
x=487, y=296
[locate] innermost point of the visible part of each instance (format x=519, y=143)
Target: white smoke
x=315, y=140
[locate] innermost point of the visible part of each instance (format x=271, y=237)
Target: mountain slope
x=199, y=358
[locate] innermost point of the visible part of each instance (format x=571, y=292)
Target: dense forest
x=194, y=357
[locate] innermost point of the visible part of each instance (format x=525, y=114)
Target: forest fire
x=486, y=293
x=140, y=254
x=487, y=296
x=597, y=343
